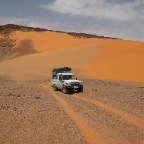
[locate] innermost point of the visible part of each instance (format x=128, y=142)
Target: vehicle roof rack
x=61, y=70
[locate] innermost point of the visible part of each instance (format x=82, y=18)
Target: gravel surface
x=31, y=112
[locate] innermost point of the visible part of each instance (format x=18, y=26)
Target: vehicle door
x=59, y=82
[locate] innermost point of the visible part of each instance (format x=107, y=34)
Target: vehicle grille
x=75, y=83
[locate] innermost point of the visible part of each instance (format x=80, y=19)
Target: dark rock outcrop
x=9, y=28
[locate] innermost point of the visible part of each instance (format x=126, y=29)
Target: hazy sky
x=113, y=18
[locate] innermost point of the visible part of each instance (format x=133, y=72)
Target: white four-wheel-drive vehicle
x=64, y=80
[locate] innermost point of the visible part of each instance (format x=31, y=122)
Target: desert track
x=31, y=112
x=91, y=133
x=84, y=128
x=124, y=115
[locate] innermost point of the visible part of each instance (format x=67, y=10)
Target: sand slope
x=40, y=65
x=92, y=58
x=123, y=60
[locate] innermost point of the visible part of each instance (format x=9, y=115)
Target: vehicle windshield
x=68, y=77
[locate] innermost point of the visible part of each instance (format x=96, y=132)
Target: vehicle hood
x=69, y=81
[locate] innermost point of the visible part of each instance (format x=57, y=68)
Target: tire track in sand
x=91, y=136
x=124, y=115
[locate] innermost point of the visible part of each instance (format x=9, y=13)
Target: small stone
x=37, y=97
x=18, y=95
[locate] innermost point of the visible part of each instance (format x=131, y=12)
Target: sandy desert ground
x=109, y=111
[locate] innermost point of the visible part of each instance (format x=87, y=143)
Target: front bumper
x=74, y=87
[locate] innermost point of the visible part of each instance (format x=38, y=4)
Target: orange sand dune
x=123, y=60
x=40, y=65
x=92, y=58
x=48, y=41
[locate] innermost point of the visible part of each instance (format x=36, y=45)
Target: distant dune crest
x=7, y=29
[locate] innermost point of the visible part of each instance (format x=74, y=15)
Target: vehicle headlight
x=68, y=84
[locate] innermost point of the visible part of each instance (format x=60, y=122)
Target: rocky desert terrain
x=109, y=111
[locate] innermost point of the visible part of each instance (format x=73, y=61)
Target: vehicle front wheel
x=80, y=89
x=55, y=88
x=65, y=90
